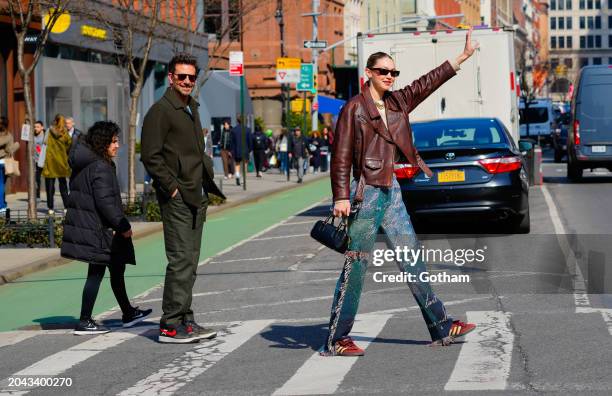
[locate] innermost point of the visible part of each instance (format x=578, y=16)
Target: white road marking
x=485, y=357
x=187, y=367
x=14, y=337
x=322, y=375
x=581, y=298
x=60, y=362
x=279, y=237
x=307, y=255
x=299, y=223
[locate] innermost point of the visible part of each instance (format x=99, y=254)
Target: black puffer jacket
x=94, y=208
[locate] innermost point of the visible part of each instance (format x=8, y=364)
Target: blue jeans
x=381, y=208
x=2, y=187
x=284, y=159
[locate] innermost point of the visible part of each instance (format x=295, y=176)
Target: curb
x=46, y=263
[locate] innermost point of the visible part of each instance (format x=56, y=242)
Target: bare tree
x=22, y=14
x=134, y=20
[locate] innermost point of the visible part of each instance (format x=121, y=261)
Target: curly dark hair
x=183, y=58
x=100, y=136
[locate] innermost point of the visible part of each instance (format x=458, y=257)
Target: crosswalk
x=485, y=357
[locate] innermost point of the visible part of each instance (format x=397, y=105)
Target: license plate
x=451, y=176
x=598, y=149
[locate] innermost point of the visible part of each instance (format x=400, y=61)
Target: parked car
x=589, y=143
x=559, y=136
x=478, y=171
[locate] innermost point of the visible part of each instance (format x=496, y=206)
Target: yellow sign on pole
x=288, y=63
x=297, y=105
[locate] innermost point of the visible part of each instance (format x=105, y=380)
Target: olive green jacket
x=56, y=157
x=172, y=150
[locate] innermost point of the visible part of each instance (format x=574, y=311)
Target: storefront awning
x=330, y=105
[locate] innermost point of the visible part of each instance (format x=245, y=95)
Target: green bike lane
x=54, y=295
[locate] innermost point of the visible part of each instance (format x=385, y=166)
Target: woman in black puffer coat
x=96, y=230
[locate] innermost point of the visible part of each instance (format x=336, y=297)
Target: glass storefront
x=94, y=104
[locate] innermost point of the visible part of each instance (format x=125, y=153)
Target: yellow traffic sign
x=288, y=63
x=297, y=105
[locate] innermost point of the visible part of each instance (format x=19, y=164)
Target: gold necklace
x=380, y=105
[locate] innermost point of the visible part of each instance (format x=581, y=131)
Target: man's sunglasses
x=182, y=77
x=384, y=72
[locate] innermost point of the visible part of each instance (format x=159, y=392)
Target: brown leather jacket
x=361, y=134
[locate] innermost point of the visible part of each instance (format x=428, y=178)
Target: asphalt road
x=545, y=320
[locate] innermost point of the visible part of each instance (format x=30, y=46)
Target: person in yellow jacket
x=58, y=142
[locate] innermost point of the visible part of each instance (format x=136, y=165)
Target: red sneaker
x=459, y=328
x=346, y=347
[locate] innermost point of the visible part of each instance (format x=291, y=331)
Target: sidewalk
x=15, y=263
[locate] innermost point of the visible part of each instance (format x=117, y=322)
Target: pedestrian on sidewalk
x=96, y=230
x=8, y=147
x=39, y=139
x=237, y=151
x=373, y=126
x=260, y=145
x=56, y=167
x=72, y=131
x=314, y=148
x=229, y=166
x=208, y=145
x=282, y=150
x=325, y=149
x=298, y=153
x=173, y=154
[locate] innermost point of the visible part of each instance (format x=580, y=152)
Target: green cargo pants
x=183, y=226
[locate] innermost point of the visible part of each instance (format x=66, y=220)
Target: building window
x=568, y=23
x=584, y=62
x=582, y=42
x=597, y=22
x=569, y=63
x=560, y=5
x=569, y=42
x=553, y=42
x=561, y=42
x=553, y=4
x=598, y=4
x=610, y=41
x=610, y=60
x=553, y=23
x=597, y=61
x=214, y=20
x=554, y=62
x=568, y=5
x=589, y=41
x=590, y=4
x=609, y=4
x=561, y=23
x=581, y=4
x=610, y=20
x=582, y=22
x=597, y=41
x=590, y=22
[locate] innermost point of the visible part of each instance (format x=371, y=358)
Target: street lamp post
x=281, y=24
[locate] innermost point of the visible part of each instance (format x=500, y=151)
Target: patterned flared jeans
x=381, y=208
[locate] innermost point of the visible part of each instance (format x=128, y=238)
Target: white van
x=536, y=119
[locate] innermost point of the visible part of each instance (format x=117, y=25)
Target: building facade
x=580, y=35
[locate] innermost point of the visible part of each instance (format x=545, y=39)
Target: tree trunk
x=30, y=147
x=134, y=97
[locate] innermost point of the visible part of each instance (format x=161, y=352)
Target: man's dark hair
x=39, y=122
x=100, y=136
x=372, y=59
x=183, y=58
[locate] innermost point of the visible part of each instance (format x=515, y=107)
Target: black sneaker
x=237, y=181
x=176, y=335
x=90, y=327
x=138, y=315
x=199, y=331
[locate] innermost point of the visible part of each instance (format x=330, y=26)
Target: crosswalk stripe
x=485, y=357
x=323, y=374
x=62, y=361
x=8, y=338
x=186, y=368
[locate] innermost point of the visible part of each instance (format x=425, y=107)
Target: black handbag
x=331, y=235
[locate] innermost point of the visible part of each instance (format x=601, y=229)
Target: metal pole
x=315, y=65
x=245, y=152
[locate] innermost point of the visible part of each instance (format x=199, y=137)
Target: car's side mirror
x=525, y=146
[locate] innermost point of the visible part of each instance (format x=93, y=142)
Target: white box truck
x=486, y=85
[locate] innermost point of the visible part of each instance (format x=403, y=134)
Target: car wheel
x=521, y=224
x=574, y=172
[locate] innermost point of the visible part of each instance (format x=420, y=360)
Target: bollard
x=51, y=223
x=537, y=166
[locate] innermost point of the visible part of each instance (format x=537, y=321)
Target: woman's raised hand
x=470, y=47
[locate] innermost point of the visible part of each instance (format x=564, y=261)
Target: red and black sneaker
x=346, y=347
x=198, y=331
x=176, y=335
x=459, y=328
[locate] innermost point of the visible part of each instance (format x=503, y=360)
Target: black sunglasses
x=384, y=72
x=182, y=77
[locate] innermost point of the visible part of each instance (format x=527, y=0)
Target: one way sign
x=315, y=44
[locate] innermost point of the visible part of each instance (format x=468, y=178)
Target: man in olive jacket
x=172, y=151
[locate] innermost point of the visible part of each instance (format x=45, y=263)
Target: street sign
x=315, y=44
x=315, y=106
x=306, y=80
x=236, y=63
x=297, y=105
x=288, y=70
